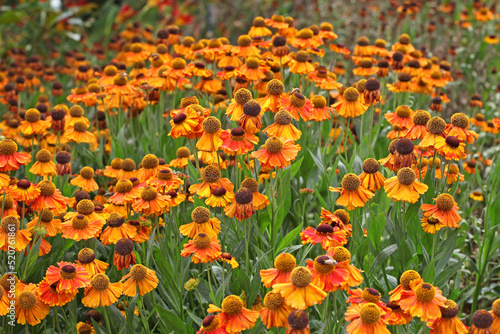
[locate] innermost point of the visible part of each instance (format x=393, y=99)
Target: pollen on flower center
x=86, y=255
x=138, y=272
x=123, y=186
x=85, y=207
x=324, y=264
x=302, y=57
x=407, y=277
x=243, y=196
x=252, y=63
x=148, y=194
x=298, y=100
x=32, y=115
x=43, y=156
x=202, y=241
x=436, y=125
x=275, y=87
x=10, y=224
x=80, y=222
x=274, y=145
x=445, y=202
x=371, y=295
x=183, y=152
x=250, y=184
x=47, y=188
x=496, y=307
x=283, y=117
x=115, y=220
x=343, y=215
x=421, y=117
x=403, y=111
x=232, y=305
x=210, y=323
x=318, y=101
x=46, y=215
x=178, y=63
x=351, y=182
x=200, y=215
x=242, y=96
x=210, y=174
x=301, y=277
x=324, y=229
x=370, y=313
x=8, y=147
x=165, y=175
x=450, y=310
x=298, y=319
x=285, y=262
x=68, y=272
x=404, y=146
x=188, y=100
x=87, y=173
x=252, y=108
x=150, y=161
x=26, y=300
x=425, y=292
x=341, y=254
x=273, y=301
x=211, y=124
x=100, y=282
x=406, y=176
x=370, y=166
x=351, y=94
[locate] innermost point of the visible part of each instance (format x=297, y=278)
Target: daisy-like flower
x=320, y=112
x=237, y=141
x=29, y=306
x=211, y=177
x=212, y=325
x=210, y=141
x=139, y=277
x=451, y=148
x=277, y=152
x=44, y=166
x=251, y=119
x=326, y=235
x=174, y=198
x=419, y=128
x=343, y=258
x=49, y=295
x=300, y=64
x=203, y=248
x=404, y=285
x=422, y=300
x=260, y=201
x=151, y=202
x=402, y=117
x=283, y=127
x=371, y=178
x=11, y=225
x=482, y=322
x=49, y=197
x=258, y=28
x=117, y=229
x=350, y=106
x=470, y=166
x=397, y=316
x=125, y=193
x=453, y=173
x=297, y=105
x=202, y=223
x=233, y=315
x=87, y=260
x=283, y=266
x=24, y=191
x=366, y=318
x=326, y=275
x=228, y=258
x=75, y=114
x=403, y=84
x=298, y=321
x=243, y=206
x=275, y=312
x=431, y=224
x=253, y=70
x=340, y=218
x=47, y=221
x=80, y=228
x=436, y=127
x=235, y=109
x=300, y=293
x=69, y=277
x=124, y=254
x=186, y=124
x=9, y=206
x=78, y=133
x=165, y=180
x=449, y=321
x=10, y=159
x=352, y=193
x=63, y=163
x=477, y=196
x=182, y=158
x=445, y=210
x=85, y=180
x=150, y=166
x=101, y=292
x=365, y=68
x=404, y=154
x=33, y=124
x=367, y=295
x=275, y=92
x=495, y=312
x=404, y=186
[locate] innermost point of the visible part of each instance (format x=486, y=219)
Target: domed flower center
x=46, y=216
x=210, y=174
x=274, y=145
x=453, y=141
x=425, y=292
x=243, y=196
x=302, y=57
x=436, y=125
x=232, y=305
x=68, y=272
x=26, y=300
x=275, y=87
x=80, y=222
x=370, y=166
x=165, y=175
x=283, y=117
x=445, y=202
x=150, y=161
x=47, y=188
x=32, y=115
x=371, y=295
x=285, y=262
x=482, y=319
x=252, y=63
x=366, y=63
x=200, y=215
x=305, y=33
x=403, y=111
x=124, y=246
x=298, y=320
x=85, y=207
x=100, y=282
x=404, y=146
x=351, y=94
x=115, y=220
x=242, y=96
x=138, y=272
x=406, y=176
x=211, y=125
x=301, y=277
x=202, y=241
x=273, y=301
x=351, y=182
x=210, y=323
x=343, y=215
x=10, y=224
x=178, y=64
x=341, y=254
x=87, y=173
x=298, y=100
x=370, y=313
x=86, y=256
x=252, y=108
x=450, y=310
x=149, y=194
x=23, y=184
x=324, y=264
x=250, y=184
x=460, y=120
x=44, y=156
x=324, y=229
x=244, y=41
x=421, y=117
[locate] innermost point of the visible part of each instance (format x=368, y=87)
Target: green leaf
x=429, y=272
x=287, y=240
x=382, y=256
x=173, y=322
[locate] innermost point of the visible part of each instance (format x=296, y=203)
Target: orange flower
x=459, y=127
x=260, y=201
x=365, y=68
x=343, y=258
x=445, y=210
x=320, y=112
x=151, y=202
x=366, y=318
x=300, y=64
x=227, y=258
x=116, y=230
x=203, y=248
x=451, y=148
x=86, y=259
x=350, y=106
x=251, y=119
x=29, y=306
x=101, y=292
x=435, y=126
x=403, y=84
x=125, y=193
x=182, y=157
x=300, y=293
x=11, y=224
x=423, y=301
x=419, y=128
x=212, y=325
x=210, y=140
x=141, y=277
x=124, y=254
x=283, y=127
x=495, y=312
x=80, y=228
x=277, y=152
x=211, y=177
x=242, y=207
x=237, y=141
x=33, y=125
x=47, y=221
x=431, y=225
x=326, y=235
x=67, y=277
x=283, y=266
x=24, y=191
x=449, y=321
x=326, y=275
x=404, y=187
x=44, y=166
x=253, y=69
x=352, y=193
x=275, y=91
x=202, y=223
x=186, y=124
x=235, y=109
x=276, y=311
x=371, y=178
x=79, y=134
x=85, y=180
x=49, y=295
x=49, y=197
x=298, y=321
x=233, y=315
x=10, y=159
x=402, y=117
x=397, y=316
x=482, y=322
